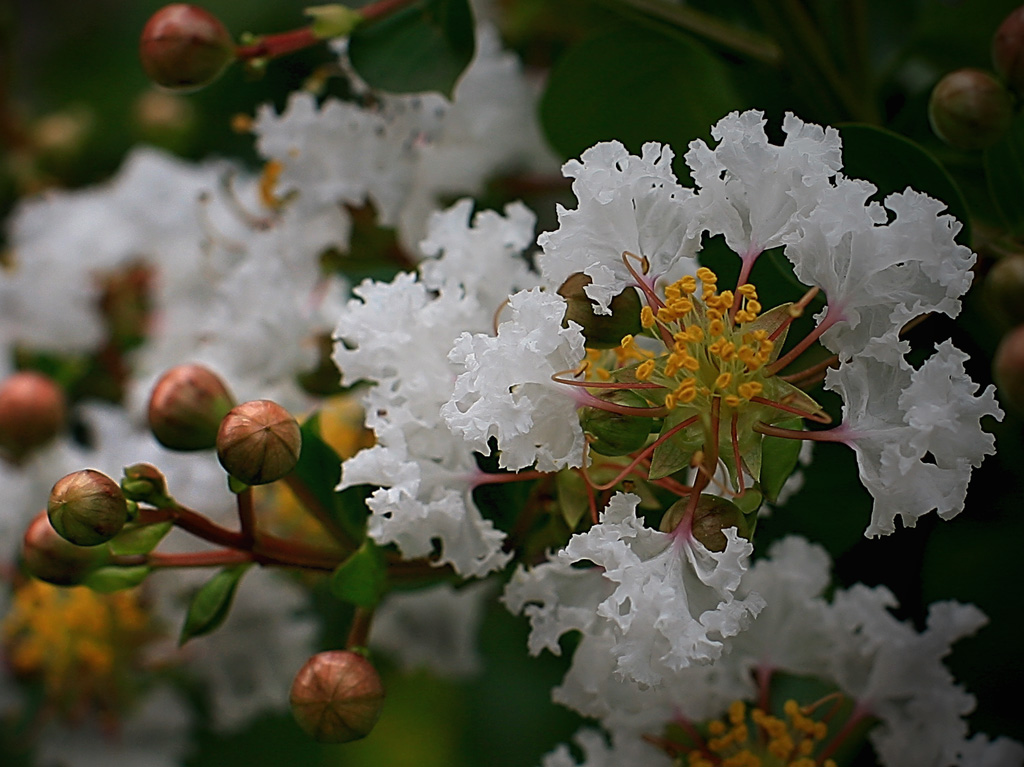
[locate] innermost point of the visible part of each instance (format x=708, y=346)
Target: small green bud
x=1008, y=50
x=184, y=47
x=187, y=406
x=32, y=412
x=145, y=483
x=1008, y=368
x=49, y=557
x=710, y=518
x=602, y=331
x=970, y=109
x=337, y=696
x=617, y=433
x=258, y=442
x=87, y=508
x=333, y=20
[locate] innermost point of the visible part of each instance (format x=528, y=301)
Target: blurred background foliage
x=73, y=100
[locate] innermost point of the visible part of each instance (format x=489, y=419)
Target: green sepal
x=211, y=603
x=362, y=579
x=115, y=578
x=675, y=453
x=571, y=494
x=139, y=539
x=237, y=486
x=780, y=457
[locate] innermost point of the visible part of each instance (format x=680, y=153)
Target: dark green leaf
x=423, y=47
x=114, y=578
x=210, y=605
x=139, y=539
x=362, y=578
x=778, y=459
x=1004, y=168
x=635, y=85
x=893, y=162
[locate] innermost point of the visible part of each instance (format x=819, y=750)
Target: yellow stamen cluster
x=776, y=742
x=73, y=639
x=711, y=354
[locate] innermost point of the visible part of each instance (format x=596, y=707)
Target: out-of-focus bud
x=87, y=508
x=617, y=433
x=145, y=483
x=710, y=518
x=602, y=331
x=184, y=47
x=970, y=109
x=337, y=696
x=187, y=406
x=259, y=442
x=1004, y=286
x=32, y=412
x=1008, y=368
x=48, y=557
x=1008, y=50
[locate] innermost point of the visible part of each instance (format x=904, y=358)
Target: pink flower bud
x=259, y=442
x=49, y=557
x=184, y=47
x=87, y=508
x=337, y=696
x=187, y=406
x=970, y=109
x=32, y=412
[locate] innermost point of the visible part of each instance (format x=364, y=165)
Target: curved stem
x=819, y=417
x=832, y=316
x=641, y=455
x=825, y=435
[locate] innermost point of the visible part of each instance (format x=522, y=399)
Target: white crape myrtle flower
x=757, y=193
x=625, y=203
x=916, y=449
x=505, y=390
x=666, y=601
x=597, y=752
x=980, y=751
x=433, y=628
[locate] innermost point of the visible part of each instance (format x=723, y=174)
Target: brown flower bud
x=32, y=412
x=87, y=508
x=1004, y=288
x=184, y=47
x=970, y=109
x=337, y=696
x=187, y=406
x=1008, y=368
x=602, y=331
x=710, y=518
x=49, y=557
x=1008, y=50
x=259, y=442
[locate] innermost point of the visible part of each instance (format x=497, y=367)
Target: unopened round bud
x=710, y=518
x=617, y=433
x=184, y=47
x=1004, y=287
x=970, y=109
x=258, y=442
x=337, y=696
x=1008, y=50
x=1008, y=368
x=87, y=508
x=602, y=331
x=32, y=412
x=49, y=557
x=187, y=406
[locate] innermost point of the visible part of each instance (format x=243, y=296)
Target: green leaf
x=1004, y=168
x=362, y=578
x=571, y=492
x=139, y=539
x=423, y=47
x=779, y=457
x=635, y=85
x=318, y=472
x=210, y=605
x=115, y=578
x=893, y=162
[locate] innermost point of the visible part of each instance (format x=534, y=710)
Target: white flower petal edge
x=505, y=390
x=666, y=601
x=915, y=450
x=598, y=753
x=625, y=203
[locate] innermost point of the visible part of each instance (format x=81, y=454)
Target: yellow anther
x=688, y=395
x=750, y=389
x=745, y=316
x=681, y=306
x=723, y=380
x=647, y=317
x=753, y=306
x=716, y=327
x=670, y=400
x=728, y=351
x=737, y=711
x=603, y=374
x=627, y=341
x=747, y=290
x=795, y=311
x=707, y=276
x=791, y=708
x=691, y=364
x=644, y=370
x=725, y=299
x=688, y=284
x=665, y=315
x=695, y=334
x=732, y=400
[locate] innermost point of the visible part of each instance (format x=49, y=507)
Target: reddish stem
x=484, y=478
x=838, y=434
x=279, y=44
x=816, y=417
x=736, y=453
x=359, y=632
x=859, y=713
x=811, y=375
x=246, y=517
x=641, y=456
x=832, y=316
x=216, y=558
